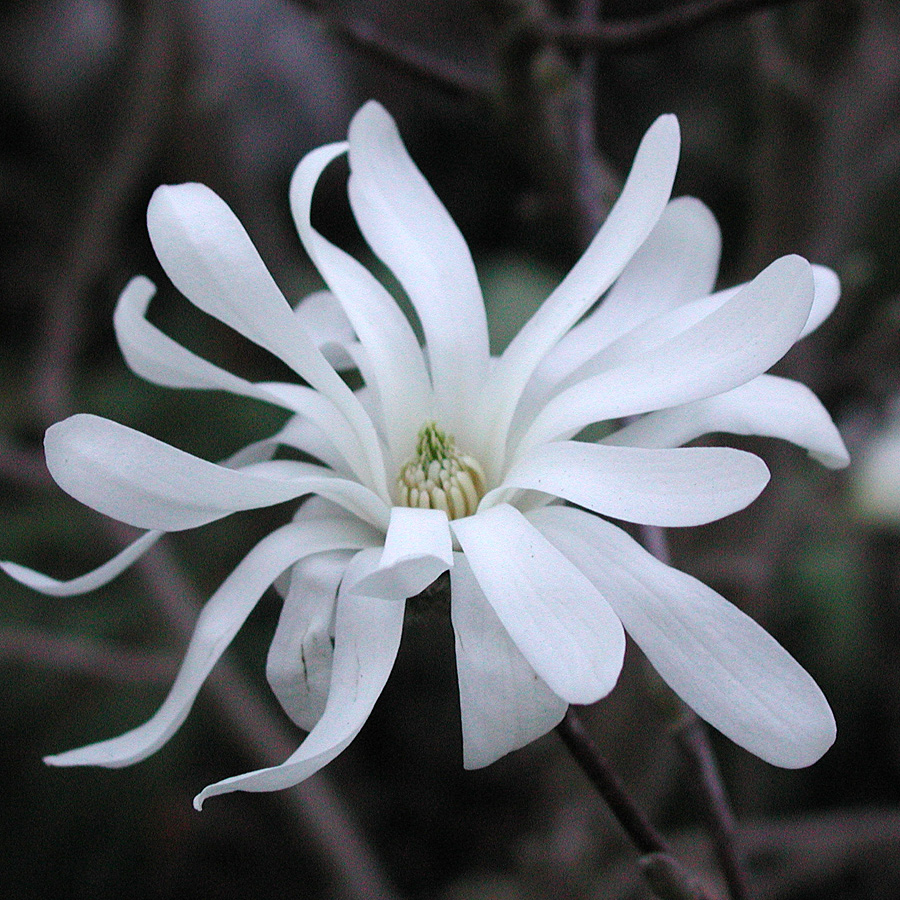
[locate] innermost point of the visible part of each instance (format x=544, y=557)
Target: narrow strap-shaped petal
x=253, y=453
x=156, y=357
x=298, y=667
x=397, y=365
x=218, y=623
x=828, y=292
x=324, y=320
x=630, y=221
x=563, y=626
x=738, y=341
x=677, y=263
x=721, y=663
x=142, y=481
x=210, y=258
x=768, y=406
x=689, y=486
x=408, y=227
x=504, y=703
x=417, y=549
x=367, y=634
x=90, y=580
x=321, y=412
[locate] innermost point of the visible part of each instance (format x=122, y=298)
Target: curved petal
x=677, y=263
x=135, y=478
x=630, y=221
x=408, y=227
x=367, y=634
x=828, y=292
x=89, y=581
x=157, y=358
x=324, y=320
x=397, y=365
x=737, y=342
x=767, y=406
x=721, y=663
x=417, y=549
x=689, y=486
x=210, y=258
x=325, y=416
x=504, y=703
x=563, y=626
x=218, y=623
x=298, y=667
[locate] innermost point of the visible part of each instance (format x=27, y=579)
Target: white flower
x=540, y=590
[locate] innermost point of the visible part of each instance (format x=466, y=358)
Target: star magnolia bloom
x=451, y=459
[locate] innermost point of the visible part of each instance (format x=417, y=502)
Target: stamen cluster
x=440, y=477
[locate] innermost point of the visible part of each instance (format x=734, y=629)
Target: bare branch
x=643, y=31
x=82, y=657
x=408, y=57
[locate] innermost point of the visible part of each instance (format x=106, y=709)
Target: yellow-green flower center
x=440, y=477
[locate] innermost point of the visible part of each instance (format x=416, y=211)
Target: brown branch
x=405, y=56
x=692, y=736
x=694, y=740
x=640, y=32
x=668, y=879
x=31, y=647
x=586, y=752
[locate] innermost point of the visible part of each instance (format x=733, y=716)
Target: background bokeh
x=790, y=116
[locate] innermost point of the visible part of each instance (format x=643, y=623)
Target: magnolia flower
x=450, y=459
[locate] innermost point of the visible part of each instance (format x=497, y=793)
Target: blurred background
x=524, y=116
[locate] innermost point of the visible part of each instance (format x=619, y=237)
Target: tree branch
x=640, y=32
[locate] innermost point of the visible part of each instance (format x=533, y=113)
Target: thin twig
x=595, y=184
x=586, y=752
x=408, y=57
x=695, y=742
x=82, y=657
x=642, y=31
x=668, y=879
x=691, y=734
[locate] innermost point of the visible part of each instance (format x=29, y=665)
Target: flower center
x=440, y=477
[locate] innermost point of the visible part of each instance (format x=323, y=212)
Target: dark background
x=790, y=116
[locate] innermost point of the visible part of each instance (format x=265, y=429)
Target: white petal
x=727, y=348
x=630, y=221
x=156, y=357
x=417, y=549
x=210, y=258
x=219, y=621
x=366, y=639
x=298, y=667
x=768, y=406
x=89, y=581
x=397, y=365
x=676, y=264
x=721, y=663
x=324, y=320
x=326, y=417
x=503, y=702
x=134, y=478
x=689, y=486
x=828, y=292
x=408, y=227
x=564, y=628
